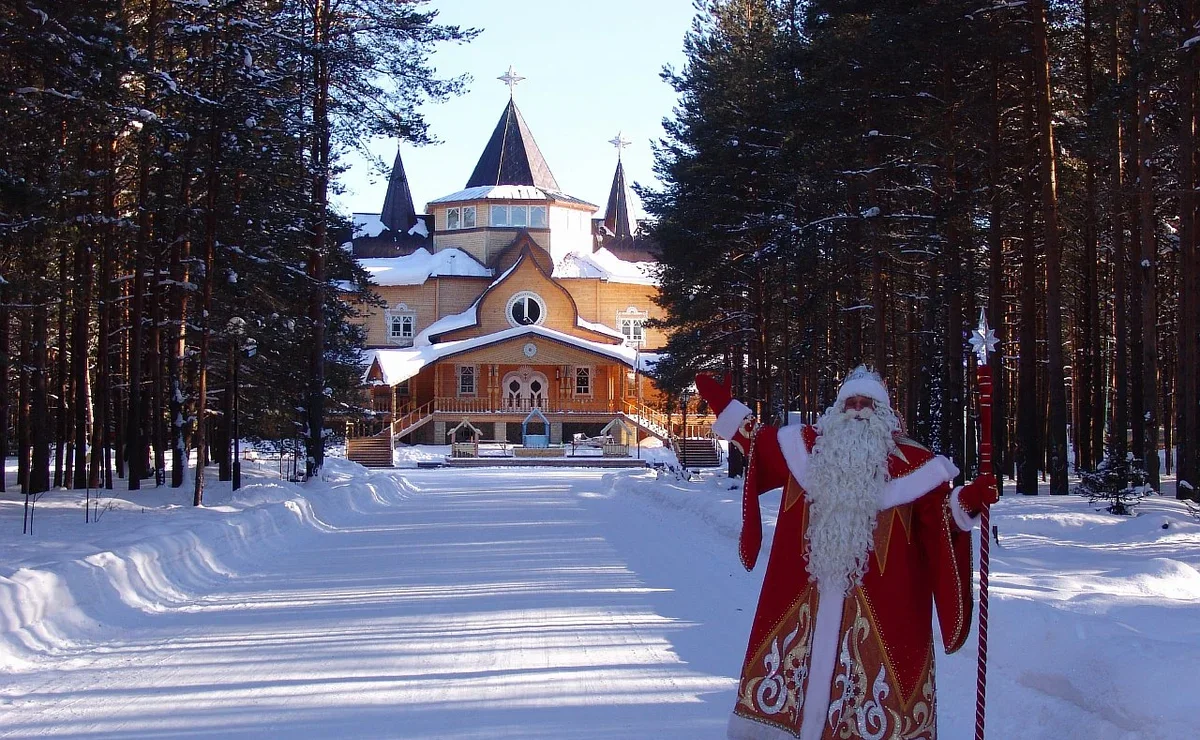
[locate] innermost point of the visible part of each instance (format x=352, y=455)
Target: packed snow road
x=498, y=604
x=531, y=604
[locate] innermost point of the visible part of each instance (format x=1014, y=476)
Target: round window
x=526, y=309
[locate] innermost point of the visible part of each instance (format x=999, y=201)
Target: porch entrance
x=524, y=390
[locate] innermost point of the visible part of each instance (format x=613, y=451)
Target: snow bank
x=151, y=551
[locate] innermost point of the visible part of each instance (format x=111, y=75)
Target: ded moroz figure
x=870, y=537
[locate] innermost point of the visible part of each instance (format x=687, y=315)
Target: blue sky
x=592, y=70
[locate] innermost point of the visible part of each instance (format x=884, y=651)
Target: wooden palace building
x=508, y=296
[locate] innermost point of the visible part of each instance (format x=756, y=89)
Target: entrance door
x=524, y=389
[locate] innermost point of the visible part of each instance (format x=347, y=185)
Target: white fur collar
x=906, y=489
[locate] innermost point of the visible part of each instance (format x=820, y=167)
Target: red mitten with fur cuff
x=979, y=493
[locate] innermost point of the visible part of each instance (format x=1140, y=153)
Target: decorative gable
x=526, y=295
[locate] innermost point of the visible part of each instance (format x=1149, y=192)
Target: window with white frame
x=460, y=217
x=632, y=324
x=583, y=381
x=533, y=217
x=466, y=380
x=525, y=308
x=401, y=325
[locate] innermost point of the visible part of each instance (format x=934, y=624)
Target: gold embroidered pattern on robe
x=774, y=692
x=864, y=702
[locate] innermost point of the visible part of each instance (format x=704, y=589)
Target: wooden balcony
x=449, y=408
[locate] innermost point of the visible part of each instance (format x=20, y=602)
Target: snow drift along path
x=430, y=606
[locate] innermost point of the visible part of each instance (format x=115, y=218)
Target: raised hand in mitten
x=715, y=391
x=979, y=493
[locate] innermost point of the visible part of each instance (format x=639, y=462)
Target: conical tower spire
x=622, y=212
x=398, y=213
x=511, y=156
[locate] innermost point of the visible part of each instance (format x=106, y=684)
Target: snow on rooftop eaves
x=605, y=265
x=416, y=268
x=510, y=192
x=367, y=224
x=398, y=365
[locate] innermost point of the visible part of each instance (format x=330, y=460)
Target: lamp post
x=684, y=396
x=637, y=394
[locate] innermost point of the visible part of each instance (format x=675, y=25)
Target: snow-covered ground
x=514, y=603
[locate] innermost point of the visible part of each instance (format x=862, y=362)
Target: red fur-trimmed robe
x=821, y=666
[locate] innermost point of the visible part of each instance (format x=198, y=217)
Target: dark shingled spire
x=398, y=213
x=616, y=213
x=512, y=157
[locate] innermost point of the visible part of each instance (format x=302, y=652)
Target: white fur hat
x=863, y=382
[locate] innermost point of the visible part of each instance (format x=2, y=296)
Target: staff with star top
x=870, y=538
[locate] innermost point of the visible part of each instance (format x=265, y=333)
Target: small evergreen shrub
x=1120, y=484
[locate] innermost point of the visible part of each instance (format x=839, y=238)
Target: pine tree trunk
x=177, y=334
x=39, y=407
x=1087, y=386
x=23, y=391
x=315, y=404
x=79, y=354
x=1188, y=387
x=1056, y=442
x=210, y=242
x=61, y=383
x=1188, y=373
x=1149, y=256
x=1119, y=430
x=5, y=408
x=996, y=310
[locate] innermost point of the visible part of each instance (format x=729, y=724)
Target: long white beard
x=846, y=475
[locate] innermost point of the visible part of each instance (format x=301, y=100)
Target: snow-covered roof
x=416, y=268
x=371, y=224
x=600, y=328
x=367, y=224
x=446, y=324
x=605, y=265
x=398, y=365
x=509, y=192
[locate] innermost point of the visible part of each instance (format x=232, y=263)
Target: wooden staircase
x=697, y=452
x=371, y=452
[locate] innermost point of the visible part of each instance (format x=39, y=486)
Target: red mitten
x=715, y=392
x=979, y=493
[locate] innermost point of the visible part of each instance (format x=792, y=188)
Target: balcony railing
x=460, y=405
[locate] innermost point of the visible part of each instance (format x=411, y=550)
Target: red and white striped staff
x=983, y=341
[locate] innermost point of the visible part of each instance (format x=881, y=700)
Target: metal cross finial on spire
x=510, y=78
x=620, y=142
x=983, y=339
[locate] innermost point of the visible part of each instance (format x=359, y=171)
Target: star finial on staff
x=620, y=142
x=983, y=339
x=510, y=78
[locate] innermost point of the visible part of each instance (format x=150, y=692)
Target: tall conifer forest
x=165, y=173
x=852, y=181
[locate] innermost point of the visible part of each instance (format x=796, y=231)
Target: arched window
x=401, y=325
